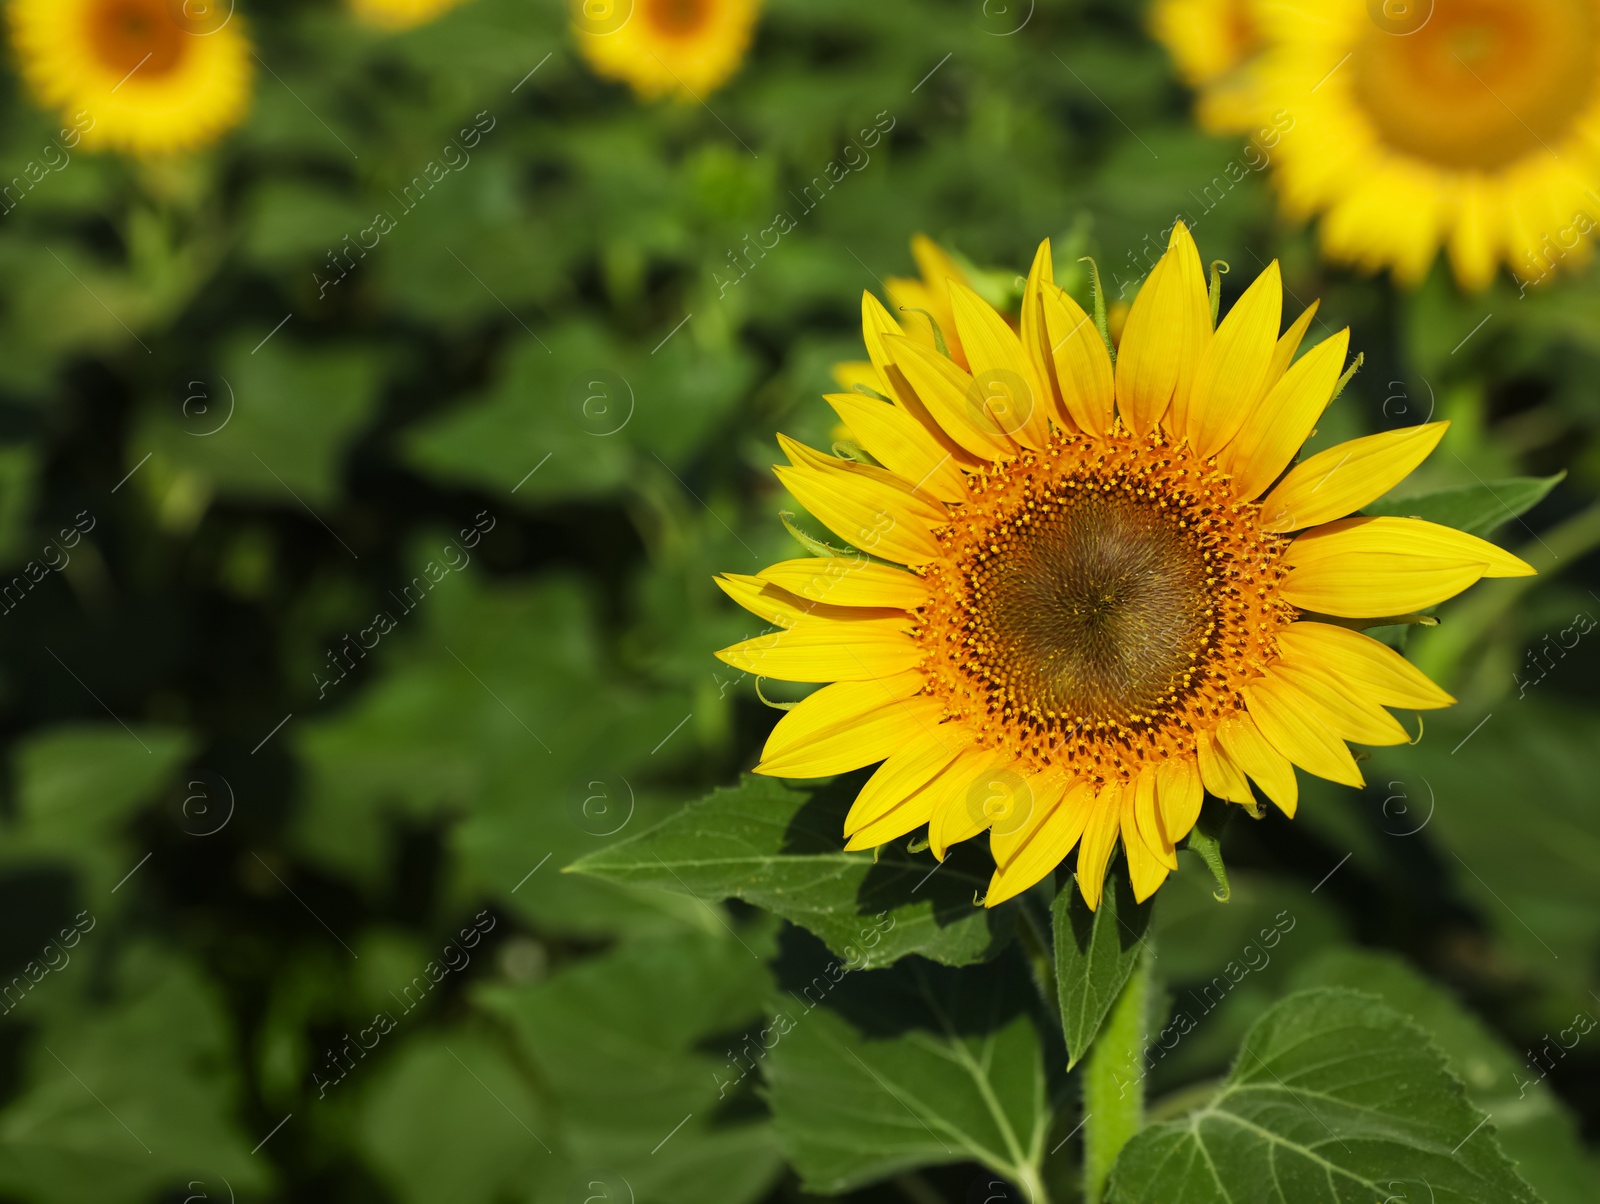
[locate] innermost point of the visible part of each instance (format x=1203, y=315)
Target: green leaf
x=1536, y=1131
x=880, y=1071
x=129, y=1096
x=271, y=422
x=1476, y=509
x=450, y=1118
x=1095, y=953
x=631, y=1044
x=779, y=847
x=1334, y=1097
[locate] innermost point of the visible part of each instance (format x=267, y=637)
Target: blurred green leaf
x=781, y=848
x=1334, y=1096
x=128, y=1096
x=272, y=423
x=451, y=1118
x=625, y=1042
x=577, y=414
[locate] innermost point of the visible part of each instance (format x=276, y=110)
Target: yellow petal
x=1180, y=794
x=920, y=758
x=950, y=785
x=848, y=581
x=1344, y=478
x=950, y=396
x=1242, y=740
x=1036, y=335
x=902, y=444
x=1082, y=364
x=1299, y=731
x=1221, y=776
x=938, y=269
x=782, y=609
x=1283, y=353
x=1099, y=839
x=1146, y=868
x=1351, y=715
x=876, y=517
x=826, y=651
x=1010, y=391
x=1285, y=418
x=1151, y=823
x=802, y=456
x=877, y=325
x=1366, y=664
x=847, y=725
x=1233, y=373
x=992, y=794
x=1370, y=567
x=1167, y=331
x=1025, y=858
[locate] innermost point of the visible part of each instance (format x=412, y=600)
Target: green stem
x=1113, y=1082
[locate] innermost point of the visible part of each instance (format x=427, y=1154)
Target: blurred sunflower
x=401, y=14
x=1472, y=124
x=1115, y=596
x=144, y=78
x=680, y=48
x=1208, y=41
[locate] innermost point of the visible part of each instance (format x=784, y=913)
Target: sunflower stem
x=1113, y=1081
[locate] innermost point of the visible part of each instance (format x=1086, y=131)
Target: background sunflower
x=363, y=475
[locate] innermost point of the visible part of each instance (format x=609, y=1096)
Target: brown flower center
x=136, y=38
x=677, y=18
x=1100, y=602
x=1483, y=82
x=1095, y=610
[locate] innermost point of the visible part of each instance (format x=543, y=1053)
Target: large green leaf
x=1477, y=509
x=631, y=1044
x=128, y=1095
x=1334, y=1097
x=780, y=848
x=874, y=1072
x=1535, y=1130
x=1095, y=953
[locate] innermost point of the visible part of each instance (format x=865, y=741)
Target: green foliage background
x=264, y=850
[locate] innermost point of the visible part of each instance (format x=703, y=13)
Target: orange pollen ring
x=1101, y=603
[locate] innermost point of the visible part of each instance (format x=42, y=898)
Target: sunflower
x=401, y=14
x=1208, y=41
x=142, y=76
x=929, y=296
x=680, y=48
x=1089, y=591
x=1471, y=124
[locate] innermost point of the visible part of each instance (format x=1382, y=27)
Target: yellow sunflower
x=1208, y=41
x=1116, y=592
x=679, y=48
x=1472, y=124
x=145, y=76
x=925, y=303
x=401, y=14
